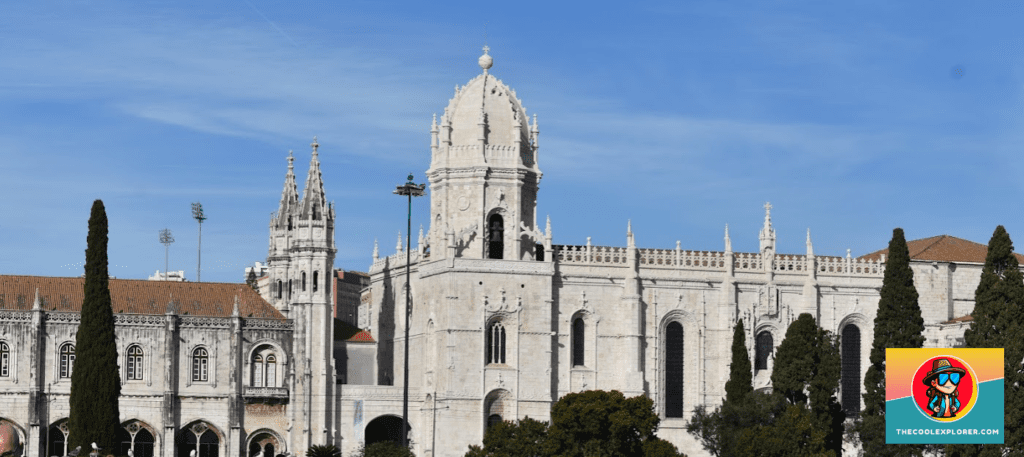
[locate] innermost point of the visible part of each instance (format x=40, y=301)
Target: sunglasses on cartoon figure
x=955, y=377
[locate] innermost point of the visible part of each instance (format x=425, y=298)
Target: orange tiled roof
x=362, y=337
x=134, y=296
x=961, y=319
x=943, y=248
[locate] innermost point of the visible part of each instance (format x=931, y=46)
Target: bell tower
x=483, y=173
x=301, y=261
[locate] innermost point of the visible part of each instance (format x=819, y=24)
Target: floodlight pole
x=197, y=213
x=166, y=239
x=410, y=190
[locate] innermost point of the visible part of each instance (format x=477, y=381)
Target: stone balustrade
x=266, y=392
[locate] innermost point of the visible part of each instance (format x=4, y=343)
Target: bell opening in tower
x=496, y=237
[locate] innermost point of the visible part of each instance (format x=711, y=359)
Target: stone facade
x=503, y=322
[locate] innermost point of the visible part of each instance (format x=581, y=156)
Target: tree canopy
x=741, y=378
x=591, y=423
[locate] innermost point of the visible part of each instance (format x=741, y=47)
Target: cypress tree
x=806, y=373
x=741, y=380
x=898, y=324
x=998, y=322
x=95, y=382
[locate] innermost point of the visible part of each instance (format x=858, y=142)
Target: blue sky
x=852, y=118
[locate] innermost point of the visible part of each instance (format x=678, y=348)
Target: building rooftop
x=943, y=248
x=131, y=296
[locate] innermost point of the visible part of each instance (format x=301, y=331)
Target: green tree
x=998, y=322
x=95, y=382
x=741, y=378
x=767, y=425
x=592, y=423
x=526, y=438
x=320, y=450
x=383, y=449
x=806, y=373
x=898, y=324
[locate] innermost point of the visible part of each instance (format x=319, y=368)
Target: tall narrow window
x=257, y=371
x=303, y=281
x=280, y=290
x=271, y=371
x=495, y=237
x=674, y=370
x=316, y=280
x=540, y=252
x=289, y=222
x=316, y=213
x=134, y=362
x=851, y=369
x=496, y=343
x=5, y=360
x=67, y=360
x=578, y=332
x=764, y=347
x=200, y=364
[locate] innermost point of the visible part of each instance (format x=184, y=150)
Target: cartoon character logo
x=947, y=391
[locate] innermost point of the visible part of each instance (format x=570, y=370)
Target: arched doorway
x=385, y=428
x=137, y=437
x=57, y=438
x=198, y=436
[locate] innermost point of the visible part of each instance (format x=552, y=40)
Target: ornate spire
x=767, y=232
x=289, y=196
x=398, y=244
x=728, y=241
x=37, y=303
x=376, y=250
x=810, y=248
x=547, y=228
x=313, y=200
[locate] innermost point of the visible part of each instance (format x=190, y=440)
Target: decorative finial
x=376, y=250
x=485, y=60
x=433, y=123
x=398, y=245
x=629, y=226
x=547, y=227
x=37, y=304
x=810, y=248
x=728, y=241
x=315, y=145
x=291, y=161
x=234, y=312
x=767, y=209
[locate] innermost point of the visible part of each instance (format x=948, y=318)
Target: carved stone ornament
x=535, y=234
x=463, y=203
x=502, y=305
x=499, y=199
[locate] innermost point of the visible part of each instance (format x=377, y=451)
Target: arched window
x=496, y=343
x=134, y=362
x=495, y=237
x=200, y=364
x=5, y=360
x=316, y=280
x=316, y=212
x=271, y=371
x=578, y=332
x=67, y=360
x=57, y=438
x=257, y=371
x=763, y=349
x=851, y=369
x=674, y=370
x=144, y=443
x=280, y=290
x=493, y=419
x=303, y=281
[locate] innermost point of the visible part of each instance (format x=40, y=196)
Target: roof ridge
x=938, y=239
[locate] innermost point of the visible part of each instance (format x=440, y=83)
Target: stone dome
x=502, y=112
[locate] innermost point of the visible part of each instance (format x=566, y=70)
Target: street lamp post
x=197, y=213
x=166, y=238
x=410, y=190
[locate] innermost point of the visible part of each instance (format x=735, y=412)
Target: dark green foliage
x=998, y=321
x=525, y=438
x=384, y=449
x=898, y=324
x=767, y=425
x=95, y=381
x=741, y=378
x=320, y=450
x=591, y=423
x=807, y=370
